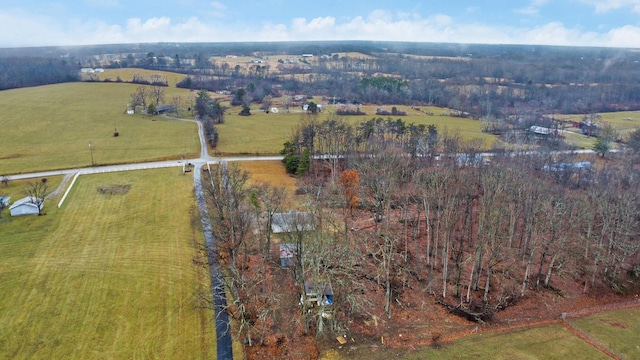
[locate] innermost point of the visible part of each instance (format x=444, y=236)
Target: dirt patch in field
x=614, y=323
x=114, y=189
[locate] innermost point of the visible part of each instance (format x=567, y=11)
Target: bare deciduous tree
x=37, y=191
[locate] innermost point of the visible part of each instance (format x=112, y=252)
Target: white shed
x=26, y=206
x=292, y=221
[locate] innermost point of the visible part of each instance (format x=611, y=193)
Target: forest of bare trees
x=476, y=237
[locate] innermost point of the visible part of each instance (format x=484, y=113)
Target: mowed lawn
x=107, y=276
x=263, y=133
x=49, y=127
x=618, y=330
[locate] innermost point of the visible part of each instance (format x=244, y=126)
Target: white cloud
x=36, y=30
x=533, y=8
x=626, y=36
x=602, y=6
x=154, y=25
x=318, y=25
x=218, y=10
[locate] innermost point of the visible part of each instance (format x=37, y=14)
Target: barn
x=26, y=206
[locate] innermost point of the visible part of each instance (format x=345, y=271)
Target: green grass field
x=618, y=330
x=49, y=127
x=622, y=120
x=126, y=74
x=545, y=342
x=107, y=276
x=263, y=133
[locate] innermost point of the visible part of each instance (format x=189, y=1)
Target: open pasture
x=544, y=342
x=111, y=275
x=263, y=133
x=617, y=330
x=622, y=121
x=49, y=127
x=126, y=74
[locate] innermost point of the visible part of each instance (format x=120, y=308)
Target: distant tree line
x=478, y=81
x=17, y=72
x=495, y=86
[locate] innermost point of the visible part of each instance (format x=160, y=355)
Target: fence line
x=68, y=190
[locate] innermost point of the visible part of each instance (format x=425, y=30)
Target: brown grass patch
x=114, y=189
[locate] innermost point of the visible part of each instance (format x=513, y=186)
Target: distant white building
x=26, y=206
x=539, y=130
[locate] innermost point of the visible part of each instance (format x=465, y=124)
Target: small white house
x=26, y=206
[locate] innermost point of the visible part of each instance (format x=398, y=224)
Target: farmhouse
x=292, y=221
x=26, y=206
x=163, y=109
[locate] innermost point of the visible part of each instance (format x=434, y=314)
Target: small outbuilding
x=287, y=253
x=292, y=221
x=318, y=293
x=163, y=109
x=27, y=206
x=4, y=200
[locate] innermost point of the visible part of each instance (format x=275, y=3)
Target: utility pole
x=91, y=150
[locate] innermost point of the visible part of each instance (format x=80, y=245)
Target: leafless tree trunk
x=157, y=95
x=37, y=191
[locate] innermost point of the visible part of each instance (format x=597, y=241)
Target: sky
x=608, y=23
